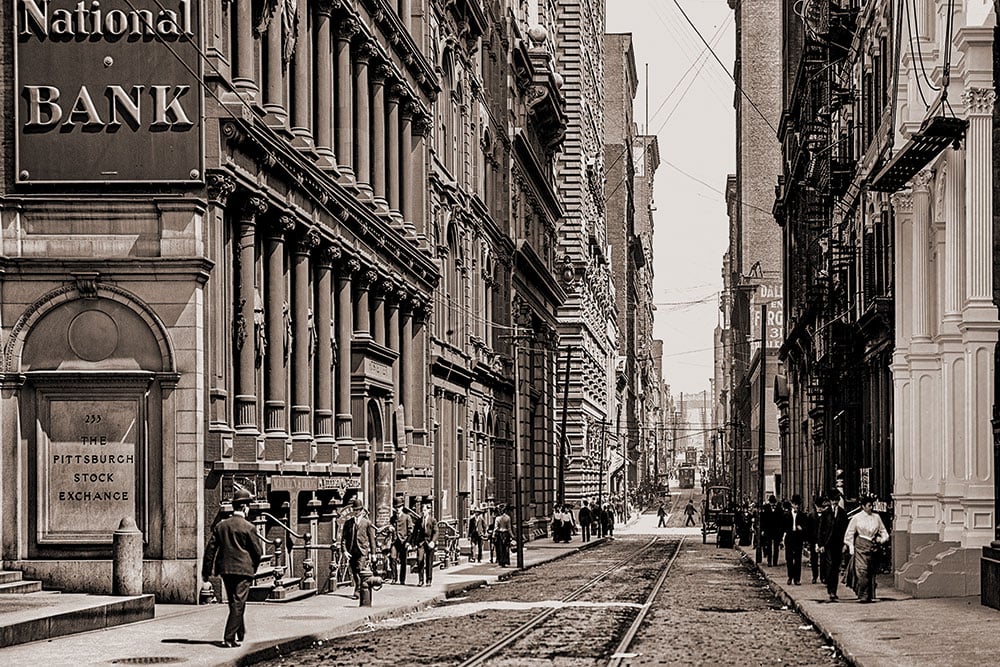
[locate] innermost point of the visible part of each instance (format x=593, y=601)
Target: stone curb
x=787, y=599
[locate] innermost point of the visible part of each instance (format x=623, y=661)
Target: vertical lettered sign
x=107, y=92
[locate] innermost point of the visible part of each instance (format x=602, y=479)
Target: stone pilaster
x=346, y=30
x=348, y=268
x=324, y=86
x=326, y=451
x=243, y=334
x=274, y=316
x=303, y=345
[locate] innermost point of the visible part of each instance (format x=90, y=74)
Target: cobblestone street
x=712, y=609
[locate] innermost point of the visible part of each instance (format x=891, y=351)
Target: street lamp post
x=518, y=501
x=761, y=376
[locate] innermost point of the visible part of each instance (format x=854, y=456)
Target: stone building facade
x=260, y=321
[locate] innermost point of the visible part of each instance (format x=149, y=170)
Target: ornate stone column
x=347, y=28
x=393, y=295
x=363, y=120
x=349, y=267
x=902, y=405
x=406, y=362
x=406, y=194
x=382, y=289
x=244, y=80
x=303, y=345
x=324, y=86
x=274, y=315
x=921, y=255
x=326, y=450
x=220, y=187
x=954, y=246
x=979, y=196
x=244, y=338
x=979, y=319
x=362, y=309
x=396, y=92
x=274, y=94
x=404, y=13
x=302, y=74
x=379, y=167
x=420, y=126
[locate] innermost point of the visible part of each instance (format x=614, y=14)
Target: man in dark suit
x=358, y=542
x=771, y=528
x=795, y=533
x=427, y=544
x=404, y=526
x=233, y=554
x=830, y=540
x=585, y=520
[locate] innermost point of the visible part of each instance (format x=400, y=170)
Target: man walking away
x=662, y=514
x=501, y=536
x=233, y=554
x=585, y=521
x=609, y=521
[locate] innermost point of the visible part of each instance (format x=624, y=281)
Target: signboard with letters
x=107, y=91
x=770, y=295
x=87, y=466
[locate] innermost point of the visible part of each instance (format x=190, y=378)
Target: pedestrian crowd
x=840, y=548
x=407, y=544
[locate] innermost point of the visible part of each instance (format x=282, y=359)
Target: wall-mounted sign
x=88, y=463
x=107, y=91
x=769, y=295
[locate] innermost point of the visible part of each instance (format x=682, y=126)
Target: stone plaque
x=87, y=468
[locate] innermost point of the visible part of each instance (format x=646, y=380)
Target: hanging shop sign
x=108, y=92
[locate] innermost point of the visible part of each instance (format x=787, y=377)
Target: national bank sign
x=108, y=92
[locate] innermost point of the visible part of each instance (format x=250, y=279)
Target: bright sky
x=691, y=112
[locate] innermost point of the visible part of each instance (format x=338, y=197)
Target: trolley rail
x=621, y=653
x=522, y=630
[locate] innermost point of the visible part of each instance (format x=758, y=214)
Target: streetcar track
x=621, y=653
x=521, y=631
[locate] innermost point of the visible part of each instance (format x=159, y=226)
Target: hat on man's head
x=357, y=504
x=241, y=497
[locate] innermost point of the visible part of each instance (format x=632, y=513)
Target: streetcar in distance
x=685, y=477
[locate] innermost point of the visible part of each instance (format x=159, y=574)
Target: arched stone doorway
x=94, y=372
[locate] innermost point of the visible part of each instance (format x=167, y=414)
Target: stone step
x=42, y=616
x=293, y=594
x=20, y=587
x=7, y=576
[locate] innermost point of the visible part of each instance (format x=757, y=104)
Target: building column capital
x=979, y=101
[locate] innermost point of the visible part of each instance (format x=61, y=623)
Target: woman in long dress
x=864, y=537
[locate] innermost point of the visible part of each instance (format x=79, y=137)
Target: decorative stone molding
x=902, y=202
x=347, y=28
x=220, y=186
x=252, y=207
x=921, y=182
x=979, y=101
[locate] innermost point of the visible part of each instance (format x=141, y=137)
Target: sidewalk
x=189, y=634
x=897, y=629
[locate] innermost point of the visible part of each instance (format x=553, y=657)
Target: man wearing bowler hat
x=233, y=554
